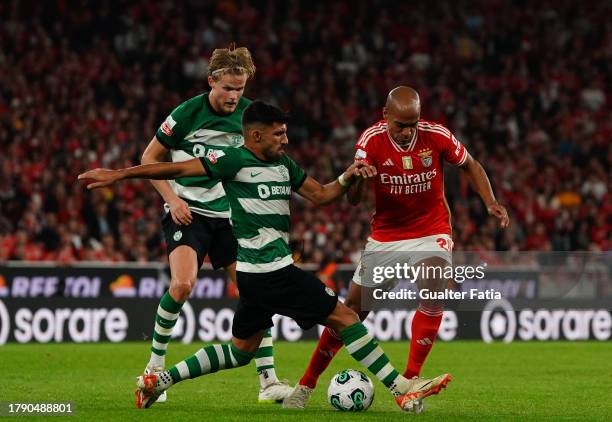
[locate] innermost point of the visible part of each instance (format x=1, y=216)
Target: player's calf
x=425, y=325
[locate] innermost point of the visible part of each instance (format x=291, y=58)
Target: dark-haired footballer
x=258, y=179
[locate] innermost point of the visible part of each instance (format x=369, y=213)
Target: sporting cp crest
x=237, y=140
x=407, y=162
x=284, y=173
x=426, y=159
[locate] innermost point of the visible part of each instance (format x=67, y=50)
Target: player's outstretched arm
x=325, y=194
x=179, y=210
x=480, y=182
x=158, y=171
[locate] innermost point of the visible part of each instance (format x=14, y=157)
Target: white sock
x=156, y=361
x=400, y=386
x=267, y=377
x=164, y=381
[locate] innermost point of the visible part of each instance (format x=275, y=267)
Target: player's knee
x=180, y=289
x=352, y=317
x=355, y=307
x=244, y=350
x=352, y=305
x=342, y=317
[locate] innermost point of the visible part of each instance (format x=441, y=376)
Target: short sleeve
x=174, y=128
x=452, y=150
x=222, y=164
x=364, y=149
x=296, y=174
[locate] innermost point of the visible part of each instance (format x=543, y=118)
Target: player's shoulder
x=372, y=134
x=190, y=107
x=434, y=129
x=231, y=157
x=241, y=152
x=245, y=156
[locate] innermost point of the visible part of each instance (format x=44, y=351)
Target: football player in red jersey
x=411, y=223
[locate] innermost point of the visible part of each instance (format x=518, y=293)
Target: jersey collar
x=408, y=147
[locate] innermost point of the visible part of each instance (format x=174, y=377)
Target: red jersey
x=409, y=187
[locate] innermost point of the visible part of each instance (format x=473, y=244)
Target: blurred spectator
x=526, y=86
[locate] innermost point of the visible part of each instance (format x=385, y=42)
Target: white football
x=350, y=391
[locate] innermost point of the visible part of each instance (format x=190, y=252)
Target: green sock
x=364, y=349
x=208, y=360
x=167, y=314
x=264, y=361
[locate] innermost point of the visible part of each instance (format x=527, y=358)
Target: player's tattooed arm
x=158, y=171
x=480, y=182
x=325, y=194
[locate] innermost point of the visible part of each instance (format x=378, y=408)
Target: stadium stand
x=84, y=86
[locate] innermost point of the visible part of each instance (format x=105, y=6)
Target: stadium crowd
x=526, y=86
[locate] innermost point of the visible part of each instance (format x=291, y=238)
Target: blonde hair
x=234, y=61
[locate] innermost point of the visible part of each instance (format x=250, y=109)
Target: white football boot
x=148, y=371
x=150, y=387
x=298, y=397
x=275, y=392
x=412, y=400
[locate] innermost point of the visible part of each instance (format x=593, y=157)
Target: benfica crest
x=426, y=159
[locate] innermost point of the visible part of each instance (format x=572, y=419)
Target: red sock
x=327, y=347
x=425, y=326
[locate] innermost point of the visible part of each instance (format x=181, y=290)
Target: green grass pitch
x=526, y=381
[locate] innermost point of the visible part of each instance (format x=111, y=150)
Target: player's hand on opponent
x=499, y=212
x=180, y=212
x=360, y=169
x=101, y=177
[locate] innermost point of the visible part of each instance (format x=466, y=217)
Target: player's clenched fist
x=101, y=177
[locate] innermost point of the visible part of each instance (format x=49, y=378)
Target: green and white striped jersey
x=259, y=193
x=193, y=129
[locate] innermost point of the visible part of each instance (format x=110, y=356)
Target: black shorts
x=289, y=291
x=206, y=235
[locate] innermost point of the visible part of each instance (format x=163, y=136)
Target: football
x=350, y=391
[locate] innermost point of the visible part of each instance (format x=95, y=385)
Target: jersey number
x=199, y=150
x=444, y=243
